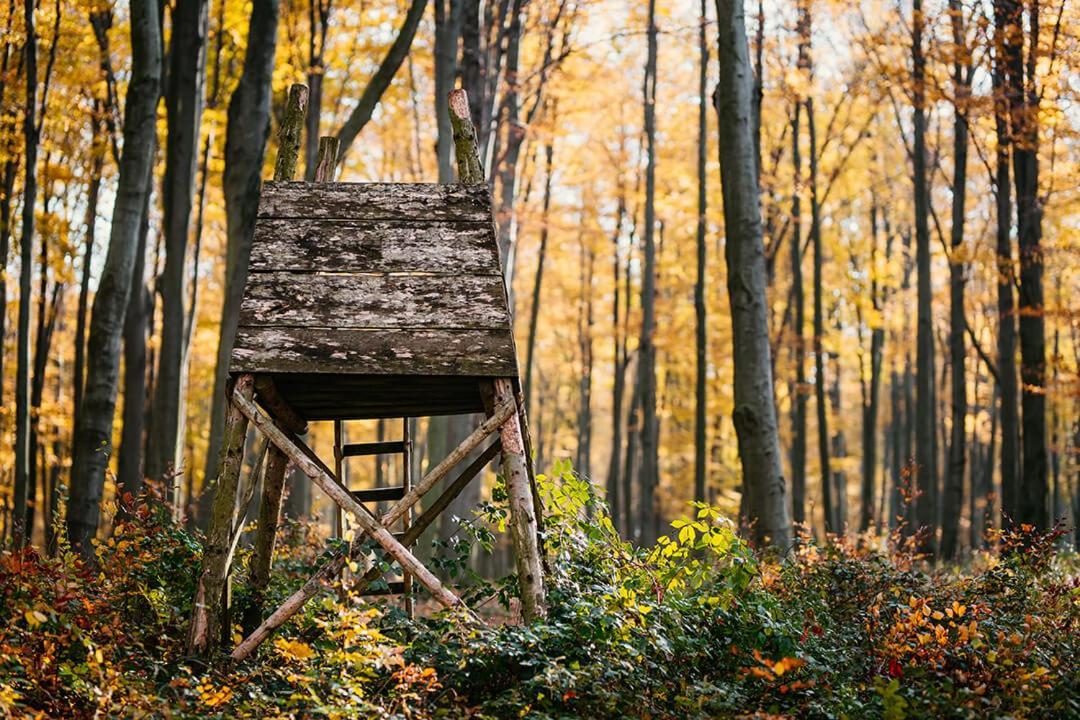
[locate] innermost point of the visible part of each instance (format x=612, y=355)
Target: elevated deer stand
x=368, y=301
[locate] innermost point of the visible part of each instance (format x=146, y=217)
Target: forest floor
x=696, y=626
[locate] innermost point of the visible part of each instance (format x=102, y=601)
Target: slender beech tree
x=7, y=175
x=382, y=78
x=586, y=326
x=541, y=256
x=755, y=411
x=93, y=430
x=93, y=193
x=510, y=119
x=701, y=327
x=871, y=390
x=925, y=459
x=184, y=100
x=650, y=461
x=26, y=259
x=448, y=21
x=318, y=27
x=130, y=465
x=798, y=297
x=1023, y=96
x=953, y=491
x=615, y=497
x=1008, y=397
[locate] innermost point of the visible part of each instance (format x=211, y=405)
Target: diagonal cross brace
x=336, y=562
x=493, y=423
x=341, y=496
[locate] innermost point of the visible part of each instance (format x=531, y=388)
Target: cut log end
x=459, y=103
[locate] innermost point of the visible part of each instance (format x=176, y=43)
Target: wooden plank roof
x=394, y=281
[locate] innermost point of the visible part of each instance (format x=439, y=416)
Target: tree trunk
x=93, y=432
x=382, y=78
x=1024, y=109
x=873, y=401
x=7, y=183
x=22, y=358
x=701, y=327
x=318, y=26
x=534, y=309
x=245, y=146
x=798, y=343
x=515, y=135
x=184, y=99
x=130, y=469
x=472, y=63
x=926, y=512
x=838, y=447
x=828, y=502
x=616, y=500
x=447, y=31
x=1006, y=341
x=93, y=192
x=583, y=461
x=953, y=499
x=896, y=507
x=650, y=462
x=755, y=411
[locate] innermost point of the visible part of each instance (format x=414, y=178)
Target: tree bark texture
x=755, y=412
x=184, y=100
x=953, y=491
x=925, y=459
x=649, y=476
x=93, y=430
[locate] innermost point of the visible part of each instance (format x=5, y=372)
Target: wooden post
x=470, y=169
x=406, y=522
x=289, y=133
x=515, y=462
x=206, y=616
x=326, y=165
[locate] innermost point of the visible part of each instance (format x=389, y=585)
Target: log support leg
x=207, y=615
x=523, y=510
x=262, y=558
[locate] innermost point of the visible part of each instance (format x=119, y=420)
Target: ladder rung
x=396, y=587
x=394, y=492
x=390, y=447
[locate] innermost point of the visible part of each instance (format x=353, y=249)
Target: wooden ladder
x=404, y=447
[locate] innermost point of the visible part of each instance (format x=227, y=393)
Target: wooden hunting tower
x=367, y=300
x=375, y=300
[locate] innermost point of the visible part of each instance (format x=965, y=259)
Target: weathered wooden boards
x=372, y=352
x=416, y=202
x=311, y=245
x=334, y=300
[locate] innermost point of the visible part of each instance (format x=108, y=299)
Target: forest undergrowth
x=698, y=625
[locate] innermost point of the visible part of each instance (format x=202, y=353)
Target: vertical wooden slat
x=406, y=522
